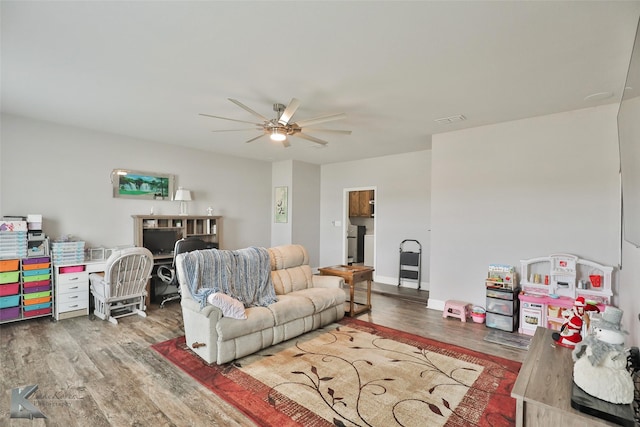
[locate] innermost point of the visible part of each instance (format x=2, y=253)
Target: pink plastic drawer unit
x=36, y=284
x=9, y=277
x=72, y=269
x=9, y=313
x=10, y=289
x=38, y=312
x=9, y=265
x=10, y=301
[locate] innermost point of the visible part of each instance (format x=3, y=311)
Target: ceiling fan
x=282, y=126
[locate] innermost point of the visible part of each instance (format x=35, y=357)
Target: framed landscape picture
x=281, y=203
x=142, y=185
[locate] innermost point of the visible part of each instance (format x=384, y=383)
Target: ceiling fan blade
x=234, y=130
x=345, y=132
x=286, y=143
x=321, y=119
x=289, y=111
x=244, y=107
x=257, y=137
x=233, y=120
x=311, y=138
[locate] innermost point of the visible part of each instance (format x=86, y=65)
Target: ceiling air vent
x=451, y=119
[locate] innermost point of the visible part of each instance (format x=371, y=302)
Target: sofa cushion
x=290, y=308
x=291, y=279
x=258, y=318
x=322, y=298
x=286, y=256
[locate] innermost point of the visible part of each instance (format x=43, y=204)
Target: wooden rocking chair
x=121, y=290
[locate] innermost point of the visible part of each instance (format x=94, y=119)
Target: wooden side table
x=543, y=388
x=352, y=274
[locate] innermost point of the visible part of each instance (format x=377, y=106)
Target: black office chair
x=169, y=275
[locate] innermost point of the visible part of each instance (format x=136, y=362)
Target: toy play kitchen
x=551, y=284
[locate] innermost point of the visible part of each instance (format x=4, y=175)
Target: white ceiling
x=145, y=69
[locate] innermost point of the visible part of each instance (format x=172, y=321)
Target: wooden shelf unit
x=205, y=227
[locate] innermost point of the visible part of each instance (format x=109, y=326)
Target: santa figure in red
x=571, y=332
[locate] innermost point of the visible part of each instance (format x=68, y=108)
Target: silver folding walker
x=410, y=261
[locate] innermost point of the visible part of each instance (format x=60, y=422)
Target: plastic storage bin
x=10, y=289
x=35, y=284
x=500, y=306
x=9, y=313
x=71, y=269
x=67, y=252
x=30, y=267
x=9, y=265
x=10, y=301
x=9, y=277
x=498, y=321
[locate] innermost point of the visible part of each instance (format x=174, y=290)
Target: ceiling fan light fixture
x=277, y=136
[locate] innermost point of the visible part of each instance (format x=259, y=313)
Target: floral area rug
x=355, y=373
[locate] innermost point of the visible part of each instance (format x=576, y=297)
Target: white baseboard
x=405, y=284
x=435, y=304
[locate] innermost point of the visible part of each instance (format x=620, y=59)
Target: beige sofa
x=305, y=302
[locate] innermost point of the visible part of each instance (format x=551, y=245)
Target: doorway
x=359, y=226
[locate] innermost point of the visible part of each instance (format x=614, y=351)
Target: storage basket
x=596, y=280
x=478, y=314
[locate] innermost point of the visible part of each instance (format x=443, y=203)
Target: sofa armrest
x=192, y=305
x=319, y=281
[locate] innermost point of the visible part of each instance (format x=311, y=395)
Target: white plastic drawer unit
x=72, y=301
x=500, y=306
x=506, y=295
x=498, y=321
x=73, y=282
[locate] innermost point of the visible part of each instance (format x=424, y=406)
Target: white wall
x=629, y=300
x=302, y=227
x=305, y=209
x=402, y=185
x=519, y=190
x=63, y=173
x=281, y=176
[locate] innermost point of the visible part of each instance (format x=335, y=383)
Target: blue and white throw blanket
x=244, y=274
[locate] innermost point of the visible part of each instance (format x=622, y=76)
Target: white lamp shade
x=183, y=195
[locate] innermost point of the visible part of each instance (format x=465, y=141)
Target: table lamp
x=183, y=196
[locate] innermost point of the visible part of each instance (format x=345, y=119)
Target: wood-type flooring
x=94, y=373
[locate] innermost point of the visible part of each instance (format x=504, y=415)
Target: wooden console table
x=352, y=274
x=543, y=388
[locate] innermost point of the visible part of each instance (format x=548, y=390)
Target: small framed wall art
x=281, y=203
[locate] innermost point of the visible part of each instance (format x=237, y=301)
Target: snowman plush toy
x=600, y=367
